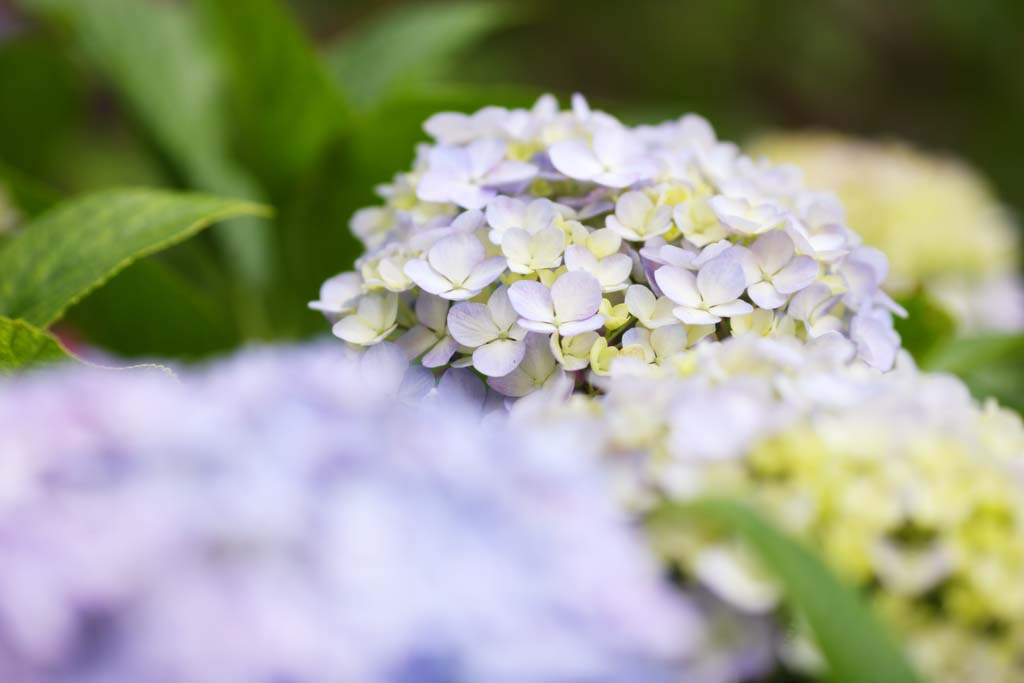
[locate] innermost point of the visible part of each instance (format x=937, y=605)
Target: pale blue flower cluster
x=277, y=518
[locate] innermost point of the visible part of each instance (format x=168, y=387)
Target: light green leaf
x=72, y=249
x=286, y=109
x=409, y=44
x=990, y=365
x=23, y=346
x=856, y=647
x=154, y=55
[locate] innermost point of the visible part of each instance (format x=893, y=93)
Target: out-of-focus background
x=307, y=104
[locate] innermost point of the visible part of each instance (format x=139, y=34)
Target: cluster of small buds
x=909, y=488
x=531, y=244
x=936, y=218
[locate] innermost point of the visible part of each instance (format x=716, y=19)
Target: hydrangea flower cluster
x=936, y=219
x=906, y=485
x=535, y=244
x=262, y=521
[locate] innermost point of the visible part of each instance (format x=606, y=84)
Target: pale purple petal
x=499, y=358
x=773, y=250
x=441, y=353
x=571, y=329
x=721, y=280
x=484, y=155
x=765, y=295
x=471, y=324
x=485, y=272
x=532, y=301
x=575, y=295
x=455, y=257
x=678, y=284
x=731, y=308
x=694, y=316
x=575, y=159
x=800, y=272
x=428, y=279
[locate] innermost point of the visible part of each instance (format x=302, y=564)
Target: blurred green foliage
x=306, y=105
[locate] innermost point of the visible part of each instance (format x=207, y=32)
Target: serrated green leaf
x=286, y=109
x=154, y=55
x=409, y=44
x=991, y=366
x=23, y=346
x=855, y=645
x=70, y=250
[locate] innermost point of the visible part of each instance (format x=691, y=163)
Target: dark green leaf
x=856, y=647
x=24, y=346
x=286, y=109
x=28, y=196
x=409, y=44
x=150, y=310
x=72, y=249
x=154, y=55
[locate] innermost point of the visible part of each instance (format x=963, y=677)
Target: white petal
x=578, y=257
x=695, y=316
x=449, y=127
x=575, y=327
x=470, y=196
x=640, y=302
x=435, y=186
x=765, y=295
x=773, y=250
x=450, y=161
x=547, y=246
x=679, y=285
x=731, y=308
x=532, y=300
x=810, y=302
x=355, y=330
x=379, y=310
x=485, y=272
x=471, y=324
x=633, y=209
x=575, y=159
x=428, y=279
x=576, y=295
x=800, y=272
x=614, y=146
x=500, y=307
x=455, y=257
x=484, y=155
x=614, y=270
x=504, y=213
x=508, y=172
x=669, y=340
x=515, y=245
x=540, y=214
x=499, y=358
x=876, y=342
x=537, y=326
x=721, y=279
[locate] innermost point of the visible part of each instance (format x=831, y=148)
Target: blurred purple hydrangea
x=280, y=518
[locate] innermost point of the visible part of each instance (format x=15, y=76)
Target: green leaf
x=286, y=109
x=169, y=315
x=23, y=346
x=29, y=196
x=154, y=55
x=409, y=44
x=927, y=326
x=990, y=365
x=856, y=647
x=74, y=248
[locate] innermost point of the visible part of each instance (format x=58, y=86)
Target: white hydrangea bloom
x=589, y=227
